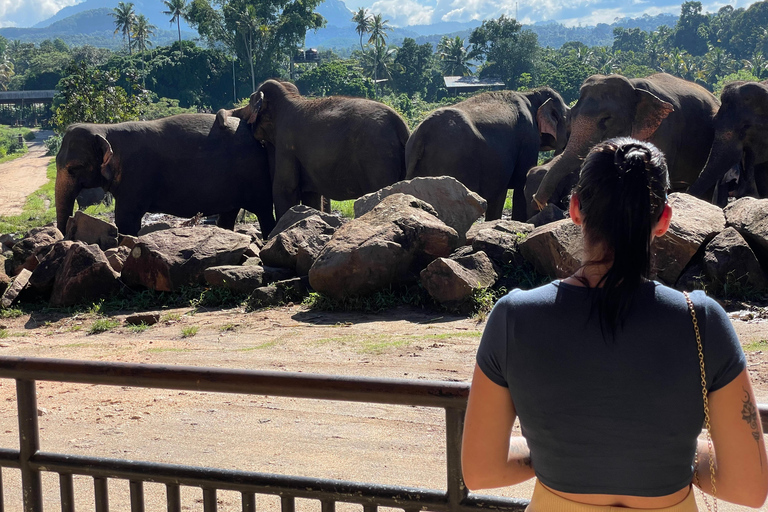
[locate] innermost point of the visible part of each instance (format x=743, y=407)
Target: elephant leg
x=496, y=206
x=128, y=221
x=313, y=200
x=286, y=190
x=532, y=181
x=519, y=204
x=326, y=204
x=761, y=179
x=227, y=220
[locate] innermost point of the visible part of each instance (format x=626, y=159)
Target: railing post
x=454, y=427
x=29, y=444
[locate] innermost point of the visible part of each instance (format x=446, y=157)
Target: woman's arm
x=488, y=457
x=741, y=474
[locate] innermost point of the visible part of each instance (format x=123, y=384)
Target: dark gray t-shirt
x=604, y=416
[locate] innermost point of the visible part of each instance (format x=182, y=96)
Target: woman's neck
x=594, y=265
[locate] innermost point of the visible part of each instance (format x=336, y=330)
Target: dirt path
x=363, y=442
x=22, y=176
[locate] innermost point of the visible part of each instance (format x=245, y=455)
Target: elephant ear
x=106, y=147
x=547, y=118
x=255, y=105
x=649, y=114
x=221, y=117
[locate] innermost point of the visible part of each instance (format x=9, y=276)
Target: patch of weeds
x=170, y=317
x=228, y=327
x=38, y=210
x=160, y=350
x=482, y=300
x=346, y=208
x=522, y=276
x=266, y=344
x=4, y=334
x=103, y=325
x=212, y=297
x=75, y=328
x=379, y=347
x=138, y=328
x=96, y=309
x=75, y=345
x=374, y=303
x=756, y=345
x=11, y=313
x=189, y=331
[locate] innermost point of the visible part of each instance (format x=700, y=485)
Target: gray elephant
x=741, y=142
x=180, y=165
x=336, y=147
x=675, y=115
x=488, y=142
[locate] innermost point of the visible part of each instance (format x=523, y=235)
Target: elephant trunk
x=67, y=189
x=725, y=154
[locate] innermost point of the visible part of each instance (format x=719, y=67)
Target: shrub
x=29, y=136
x=53, y=143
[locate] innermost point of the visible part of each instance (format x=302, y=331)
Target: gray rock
x=550, y=213
x=253, y=231
x=239, y=279
x=729, y=263
x=5, y=280
x=501, y=243
x=298, y=246
x=694, y=223
x=128, y=241
x=44, y=276
x=35, y=243
x=554, y=249
x=390, y=244
x=154, y=228
x=750, y=217
x=85, y=275
x=451, y=282
x=6, y=242
x=142, y=318
x=280, y=293
x=14, y=289
x=455, y=204
x=300, y=212
x=117, y=257
x=166, y=260
x=83, y=228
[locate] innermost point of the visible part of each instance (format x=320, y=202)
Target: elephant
x=741, y=142
x=336, y=147
x=180, y=165
x=675, y=115
x=488, y=143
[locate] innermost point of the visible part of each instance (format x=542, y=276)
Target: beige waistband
x=544, y=500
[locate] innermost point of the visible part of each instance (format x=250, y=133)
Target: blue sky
x=24, y=13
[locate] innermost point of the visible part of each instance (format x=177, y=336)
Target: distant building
x=457, y=84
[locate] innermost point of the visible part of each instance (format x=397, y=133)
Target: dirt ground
x=363, y=442
x=24, y=175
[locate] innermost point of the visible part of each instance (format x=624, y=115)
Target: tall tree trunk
x=178, y=25
x=249, y=53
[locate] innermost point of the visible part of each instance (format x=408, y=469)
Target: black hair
x=622, y=191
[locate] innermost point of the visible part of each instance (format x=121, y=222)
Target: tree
x=691, y=30
x=335, y=78
x=757, y=65
x=717, y=63
x=507, y=50
x=6, y=71
x=378, y=61
x=413, y=67
x=125, y=19
x=177, y=9
x=142, y=31
x=453, y=56
x=378, y=30
x=362, y=21
x=629, y=39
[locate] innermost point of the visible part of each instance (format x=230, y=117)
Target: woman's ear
x=574, y=209
x=662, y=225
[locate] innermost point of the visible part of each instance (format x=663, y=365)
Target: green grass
x=100, y=209
x=11, y=313
x=39, y=210
x=347, y=208
x=138, y=328
x=228, y=327
x=4, y=334
x=189, y=331
x=170, y=317
x=261, y=346
x=756, y=345
x=76, y=345
x=379, y=343
x=375, y=303
x=14, y=156
x=160, y=350
x=103, y=325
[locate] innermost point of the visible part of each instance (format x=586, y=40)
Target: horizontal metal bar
x=10, y=458
x=299, y=385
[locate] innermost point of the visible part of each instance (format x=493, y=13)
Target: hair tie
x=631, y=158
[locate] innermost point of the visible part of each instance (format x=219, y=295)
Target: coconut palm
x=717, y=63
x=6, y=72
x=177, y=9
x=125, y=19
x=378, y=30
x=142, y=31
x=378, y=61
x=453, y=56
x=757, y=65
x=362, y=22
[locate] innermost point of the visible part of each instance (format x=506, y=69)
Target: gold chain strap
x=707, y=426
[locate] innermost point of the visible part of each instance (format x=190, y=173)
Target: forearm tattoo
x=749, y=414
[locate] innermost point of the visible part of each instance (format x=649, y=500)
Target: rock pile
x=419, y=231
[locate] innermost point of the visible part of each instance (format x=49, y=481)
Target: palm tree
x=717, y=63
x=142, y=31
x=757, y=65
x=453, y=56
x=6, y=71
x=125, y=19
x=363, y=23
x=378, y=30
x=177, y=9
x=378, y=62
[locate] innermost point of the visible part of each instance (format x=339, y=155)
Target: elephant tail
x=403, y=135
x=414, y=151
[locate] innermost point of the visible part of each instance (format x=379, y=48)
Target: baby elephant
x=180, y=165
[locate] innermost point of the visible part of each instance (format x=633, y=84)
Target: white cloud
x=404, y=12
x=25, y=13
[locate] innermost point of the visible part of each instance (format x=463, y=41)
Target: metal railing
x=450, y=396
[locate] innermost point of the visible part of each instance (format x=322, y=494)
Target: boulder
x=451, y=282
x=168, y=259
x=153, y=228
x=694, y=223
x=455, y=204
x=117, y=257
x=83, y=228
x=550, y=213
x=142, y=318
x=730, y=264
x=280, y=293
x=34, y=243
x=554, y=249
x=501, y=243
x=251, y=261
x=253, y=231
x=84, y=276
x=14, y=289
x=128, y=241
x=6, y=242
x=44, y=276
x=300, y=212
x=253, y=251
x=297, y=246
x=236, y=278
x=392, y=243
x=5, y=280
x=750, y=217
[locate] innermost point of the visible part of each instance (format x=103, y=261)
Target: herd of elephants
x=282, y=149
